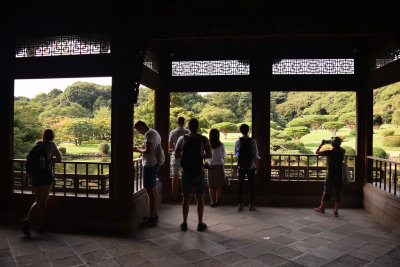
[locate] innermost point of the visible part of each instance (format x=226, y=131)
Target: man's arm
x=319, y=153
x=146, y=150
x=170, y=145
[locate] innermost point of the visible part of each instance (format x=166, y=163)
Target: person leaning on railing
x=333, y=178
x=42, y=184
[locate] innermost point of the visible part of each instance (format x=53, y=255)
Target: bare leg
x=151, y=196
x=43, y=197
x=211, y=192
x=323, y=204
x=337, y=206
x=219, y=193
x=200, y=207
x=175, y=185
x=185, y=207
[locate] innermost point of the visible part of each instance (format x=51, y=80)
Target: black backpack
x=37, y=163
x=245, y=153
x=192, y=154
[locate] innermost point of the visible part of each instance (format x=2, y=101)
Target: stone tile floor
x=265, y=237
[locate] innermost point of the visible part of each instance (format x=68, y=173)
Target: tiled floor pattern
x=265, y=237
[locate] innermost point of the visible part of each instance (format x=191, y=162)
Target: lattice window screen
x=211, y=68
x=313, y=66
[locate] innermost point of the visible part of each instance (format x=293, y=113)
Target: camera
x=207, y=166
x=328, y=141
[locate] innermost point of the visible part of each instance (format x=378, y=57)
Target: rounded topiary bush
x=349, y=150
x=298, y=143
x=387, y=132
x=353, y=131
x=63, y=150
x=392, y=141
x=104, y=148
x=379, y=152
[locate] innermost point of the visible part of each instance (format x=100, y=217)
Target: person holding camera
x=333, y=179
x=215, y=166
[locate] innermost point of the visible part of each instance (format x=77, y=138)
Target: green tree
x=315, y=121
x=333, y=126
x=298, y=122
x=349, y=119
x=225, y=127
x=216, y=114
x=82, y=130
x=85, y=94
x=297, y=132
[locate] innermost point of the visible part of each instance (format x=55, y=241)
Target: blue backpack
x=36, y=161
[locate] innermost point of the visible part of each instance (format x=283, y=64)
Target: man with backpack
x=175, y=163
x=191, y=150
x=151, y=167
x=247, y=154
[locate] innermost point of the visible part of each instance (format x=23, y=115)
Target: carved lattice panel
x=150, y=61
x=313, y=66
x=386, y=55
x=211, y=68
x=63, y=45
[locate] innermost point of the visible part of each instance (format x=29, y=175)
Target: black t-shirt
x=334, y=159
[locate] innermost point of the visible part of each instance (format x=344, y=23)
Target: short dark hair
x=244, y=128
x=139, y=123
x=48, y=135
x=181, y=120
x=193, y=125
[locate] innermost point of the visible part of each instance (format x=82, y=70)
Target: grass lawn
x=85, y=148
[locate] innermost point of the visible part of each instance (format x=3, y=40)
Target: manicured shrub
x=379, y=152
x=353, y=131
x=349, y=150
x=104, y=148
x=387, y=132
x=392, y=141
x=63, y=150
x=298, y=143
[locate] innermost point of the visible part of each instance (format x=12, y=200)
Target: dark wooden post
x=161, y=117
x=364, y=102
x=260, y=124
x=125, y=68
x=7, y=50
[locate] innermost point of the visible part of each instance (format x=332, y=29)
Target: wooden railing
x=72, y=179
x=385, y=174
x=137, y=178
x=302, y=167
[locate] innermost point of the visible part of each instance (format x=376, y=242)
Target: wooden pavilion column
x=161, y=117
x=124, y=73
x=7, y=50
x=364, y=103
x=260, y=124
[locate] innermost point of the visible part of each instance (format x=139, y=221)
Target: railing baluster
x=22, y=177
x=87, y=180
x=76, y=180
x=298, y=168
x=317, y=168
x=65, y=178
x=384, y=181
x=390, y=177
x=280, y=168
x=395, y=179
x=308, y=168
x=99, y=181
x=289, y=167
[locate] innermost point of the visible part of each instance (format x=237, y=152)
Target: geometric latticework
x=386, y=55
x=211, y=68
x=150, y=61
x=85, y=44
x=313, y=66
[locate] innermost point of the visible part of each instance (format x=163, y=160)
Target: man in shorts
x=176, y=163
x=191, y=149
x=150, y=170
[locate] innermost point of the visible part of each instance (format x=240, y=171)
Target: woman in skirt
x=216, y=173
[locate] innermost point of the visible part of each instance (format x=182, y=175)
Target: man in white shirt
x=175, y=162
x=151, y=167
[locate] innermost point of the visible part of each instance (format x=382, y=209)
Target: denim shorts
x=175, y=165
x=196, y=182
x=150, y=175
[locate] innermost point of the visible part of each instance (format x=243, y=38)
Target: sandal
x=319, y=209
x=336, y=213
